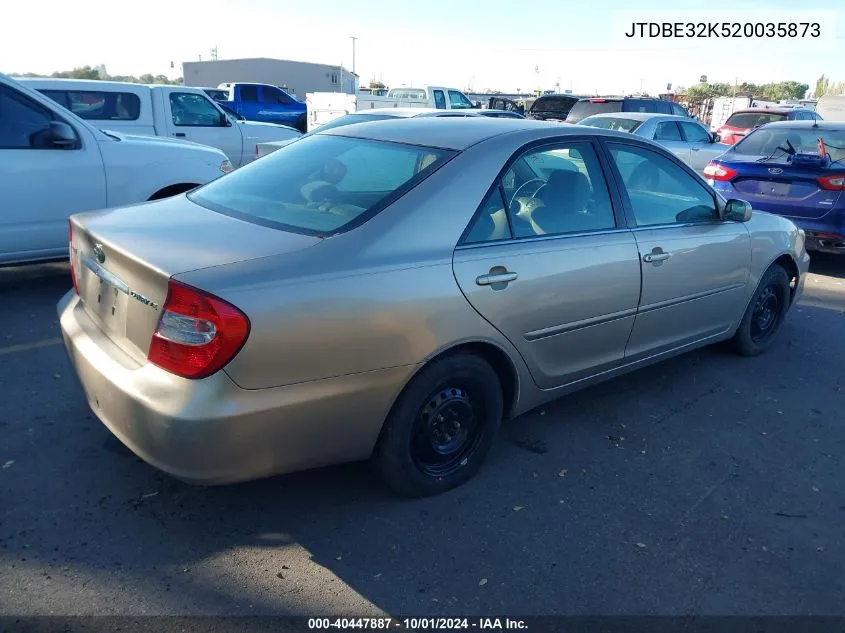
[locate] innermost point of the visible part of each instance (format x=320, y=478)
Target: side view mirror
x=737, y=210
x=58, y=134
x=716, y=138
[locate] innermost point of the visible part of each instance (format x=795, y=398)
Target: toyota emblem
x=99, y=253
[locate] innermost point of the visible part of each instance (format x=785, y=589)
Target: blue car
x=791, y=168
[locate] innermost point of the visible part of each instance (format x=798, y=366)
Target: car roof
x=780, y=110
x=639, y=116
x=398, y=112
x=458, y=133
x=831, y=126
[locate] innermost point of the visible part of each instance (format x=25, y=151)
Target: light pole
x=353, y=38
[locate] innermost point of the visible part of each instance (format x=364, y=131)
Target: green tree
x=84, y=72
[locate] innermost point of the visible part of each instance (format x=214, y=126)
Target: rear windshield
x=612, y=123
x=766, y=141
x=749, y=120
x=561, y=105
x=321, y=185
x=583, y=109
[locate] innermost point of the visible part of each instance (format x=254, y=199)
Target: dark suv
x=598, y=105
x=553, y=107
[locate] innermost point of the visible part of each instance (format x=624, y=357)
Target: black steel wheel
x=765, y=313
x=441, y=427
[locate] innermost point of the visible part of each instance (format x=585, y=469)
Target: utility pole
x=353, y=38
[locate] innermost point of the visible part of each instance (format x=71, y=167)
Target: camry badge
x=775, y=170
x=99, y=253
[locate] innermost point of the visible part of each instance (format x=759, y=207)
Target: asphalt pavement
x=709, y=484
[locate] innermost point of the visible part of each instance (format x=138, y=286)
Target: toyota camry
x=394, y=290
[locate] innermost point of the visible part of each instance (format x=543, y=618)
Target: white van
x=156, y=110
x=831, y=108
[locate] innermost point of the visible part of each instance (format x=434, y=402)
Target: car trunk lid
x=123, y=259
x=782, y=184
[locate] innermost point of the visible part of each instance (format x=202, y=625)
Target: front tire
x=441, y=428
x=765, y=313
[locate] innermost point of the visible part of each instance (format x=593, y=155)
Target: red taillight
x=834, y=182
x=715, y=171
x=72, y=256
x=197, y=333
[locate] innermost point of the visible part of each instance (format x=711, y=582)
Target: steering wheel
x=522, y=186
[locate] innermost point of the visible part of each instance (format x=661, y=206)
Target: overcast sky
x=493, y=44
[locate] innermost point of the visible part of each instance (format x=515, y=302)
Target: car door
x=193, y=117
x=277, y=107
x=694, y=265
x=548, y=261
x=668, y=135
x=42, y=184
x=702, y=149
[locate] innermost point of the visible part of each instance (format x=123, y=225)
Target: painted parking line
x=28, y=346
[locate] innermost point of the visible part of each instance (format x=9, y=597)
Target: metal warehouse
x=297, y=77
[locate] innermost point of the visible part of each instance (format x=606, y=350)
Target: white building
x=296, y=77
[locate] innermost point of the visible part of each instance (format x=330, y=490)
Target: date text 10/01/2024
x=418, y=624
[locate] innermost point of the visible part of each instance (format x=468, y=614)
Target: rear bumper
x=211, y=431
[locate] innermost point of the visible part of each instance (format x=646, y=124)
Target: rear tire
x=765, y=313
x=441, y=428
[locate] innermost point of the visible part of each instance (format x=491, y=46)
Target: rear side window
x=745, y=120
x=249, y=93
x=439, y=100
x=322, y=184
x=667, y=131
x=587, y=107
x=94, y=105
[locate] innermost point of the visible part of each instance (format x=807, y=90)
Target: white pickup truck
x=327, y=106
x=53, y=164
x=175, y=111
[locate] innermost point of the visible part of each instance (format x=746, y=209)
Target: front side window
x=667, y=131
x=458, y=101
x=322, y=184
x=695, y=133
x=439, y=100
x=274, y=95
x=194, y=110
x=555, y=190
x=661, y=192
x=20, y=120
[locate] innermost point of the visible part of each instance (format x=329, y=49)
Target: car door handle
x=178, y=134
x=499, y=278
x=656, y=257
x=695, y=149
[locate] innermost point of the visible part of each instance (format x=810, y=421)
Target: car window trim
x=619, y=216
x=623, y=191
